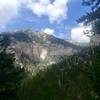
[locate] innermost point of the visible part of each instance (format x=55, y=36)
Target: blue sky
x=55, y=17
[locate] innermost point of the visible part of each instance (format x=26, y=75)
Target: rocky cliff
x=34, y=48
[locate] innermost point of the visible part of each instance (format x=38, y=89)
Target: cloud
x=77, y=34
x=56, y=11
x=48, y=31
x=8, y=10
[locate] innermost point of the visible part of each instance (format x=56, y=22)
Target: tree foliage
x=92, y=17
x=75, y=78
x=10, y=75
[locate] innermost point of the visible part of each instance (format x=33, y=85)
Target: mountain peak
x=33, y=47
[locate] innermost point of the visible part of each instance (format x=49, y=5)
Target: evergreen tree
x=74, y=78
x=92, y=17
x=10, y=75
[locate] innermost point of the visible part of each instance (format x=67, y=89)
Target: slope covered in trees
x=10, y=75
x=75, y=78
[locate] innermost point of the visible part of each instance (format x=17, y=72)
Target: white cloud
x=39, y=9
x=77, y=34
x=48, y=31
x=56, y=11
x=8, y=10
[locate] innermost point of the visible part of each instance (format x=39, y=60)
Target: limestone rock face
x=33, y=47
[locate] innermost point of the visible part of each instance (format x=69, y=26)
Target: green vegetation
x=75, y=78
x=10, y=75
x=92, y=17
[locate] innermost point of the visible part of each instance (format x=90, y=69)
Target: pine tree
x=10, y=75
x=92, y=17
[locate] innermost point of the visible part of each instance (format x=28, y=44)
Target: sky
x=54, y=17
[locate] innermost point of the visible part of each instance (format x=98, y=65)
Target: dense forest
x=74, y=78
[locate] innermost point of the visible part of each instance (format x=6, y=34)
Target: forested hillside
x=75, y=78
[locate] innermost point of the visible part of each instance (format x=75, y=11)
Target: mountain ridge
x=33, y=48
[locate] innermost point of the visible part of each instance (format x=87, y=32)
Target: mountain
x=33, y=48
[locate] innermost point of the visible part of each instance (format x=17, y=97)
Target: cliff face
x=32, y=47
